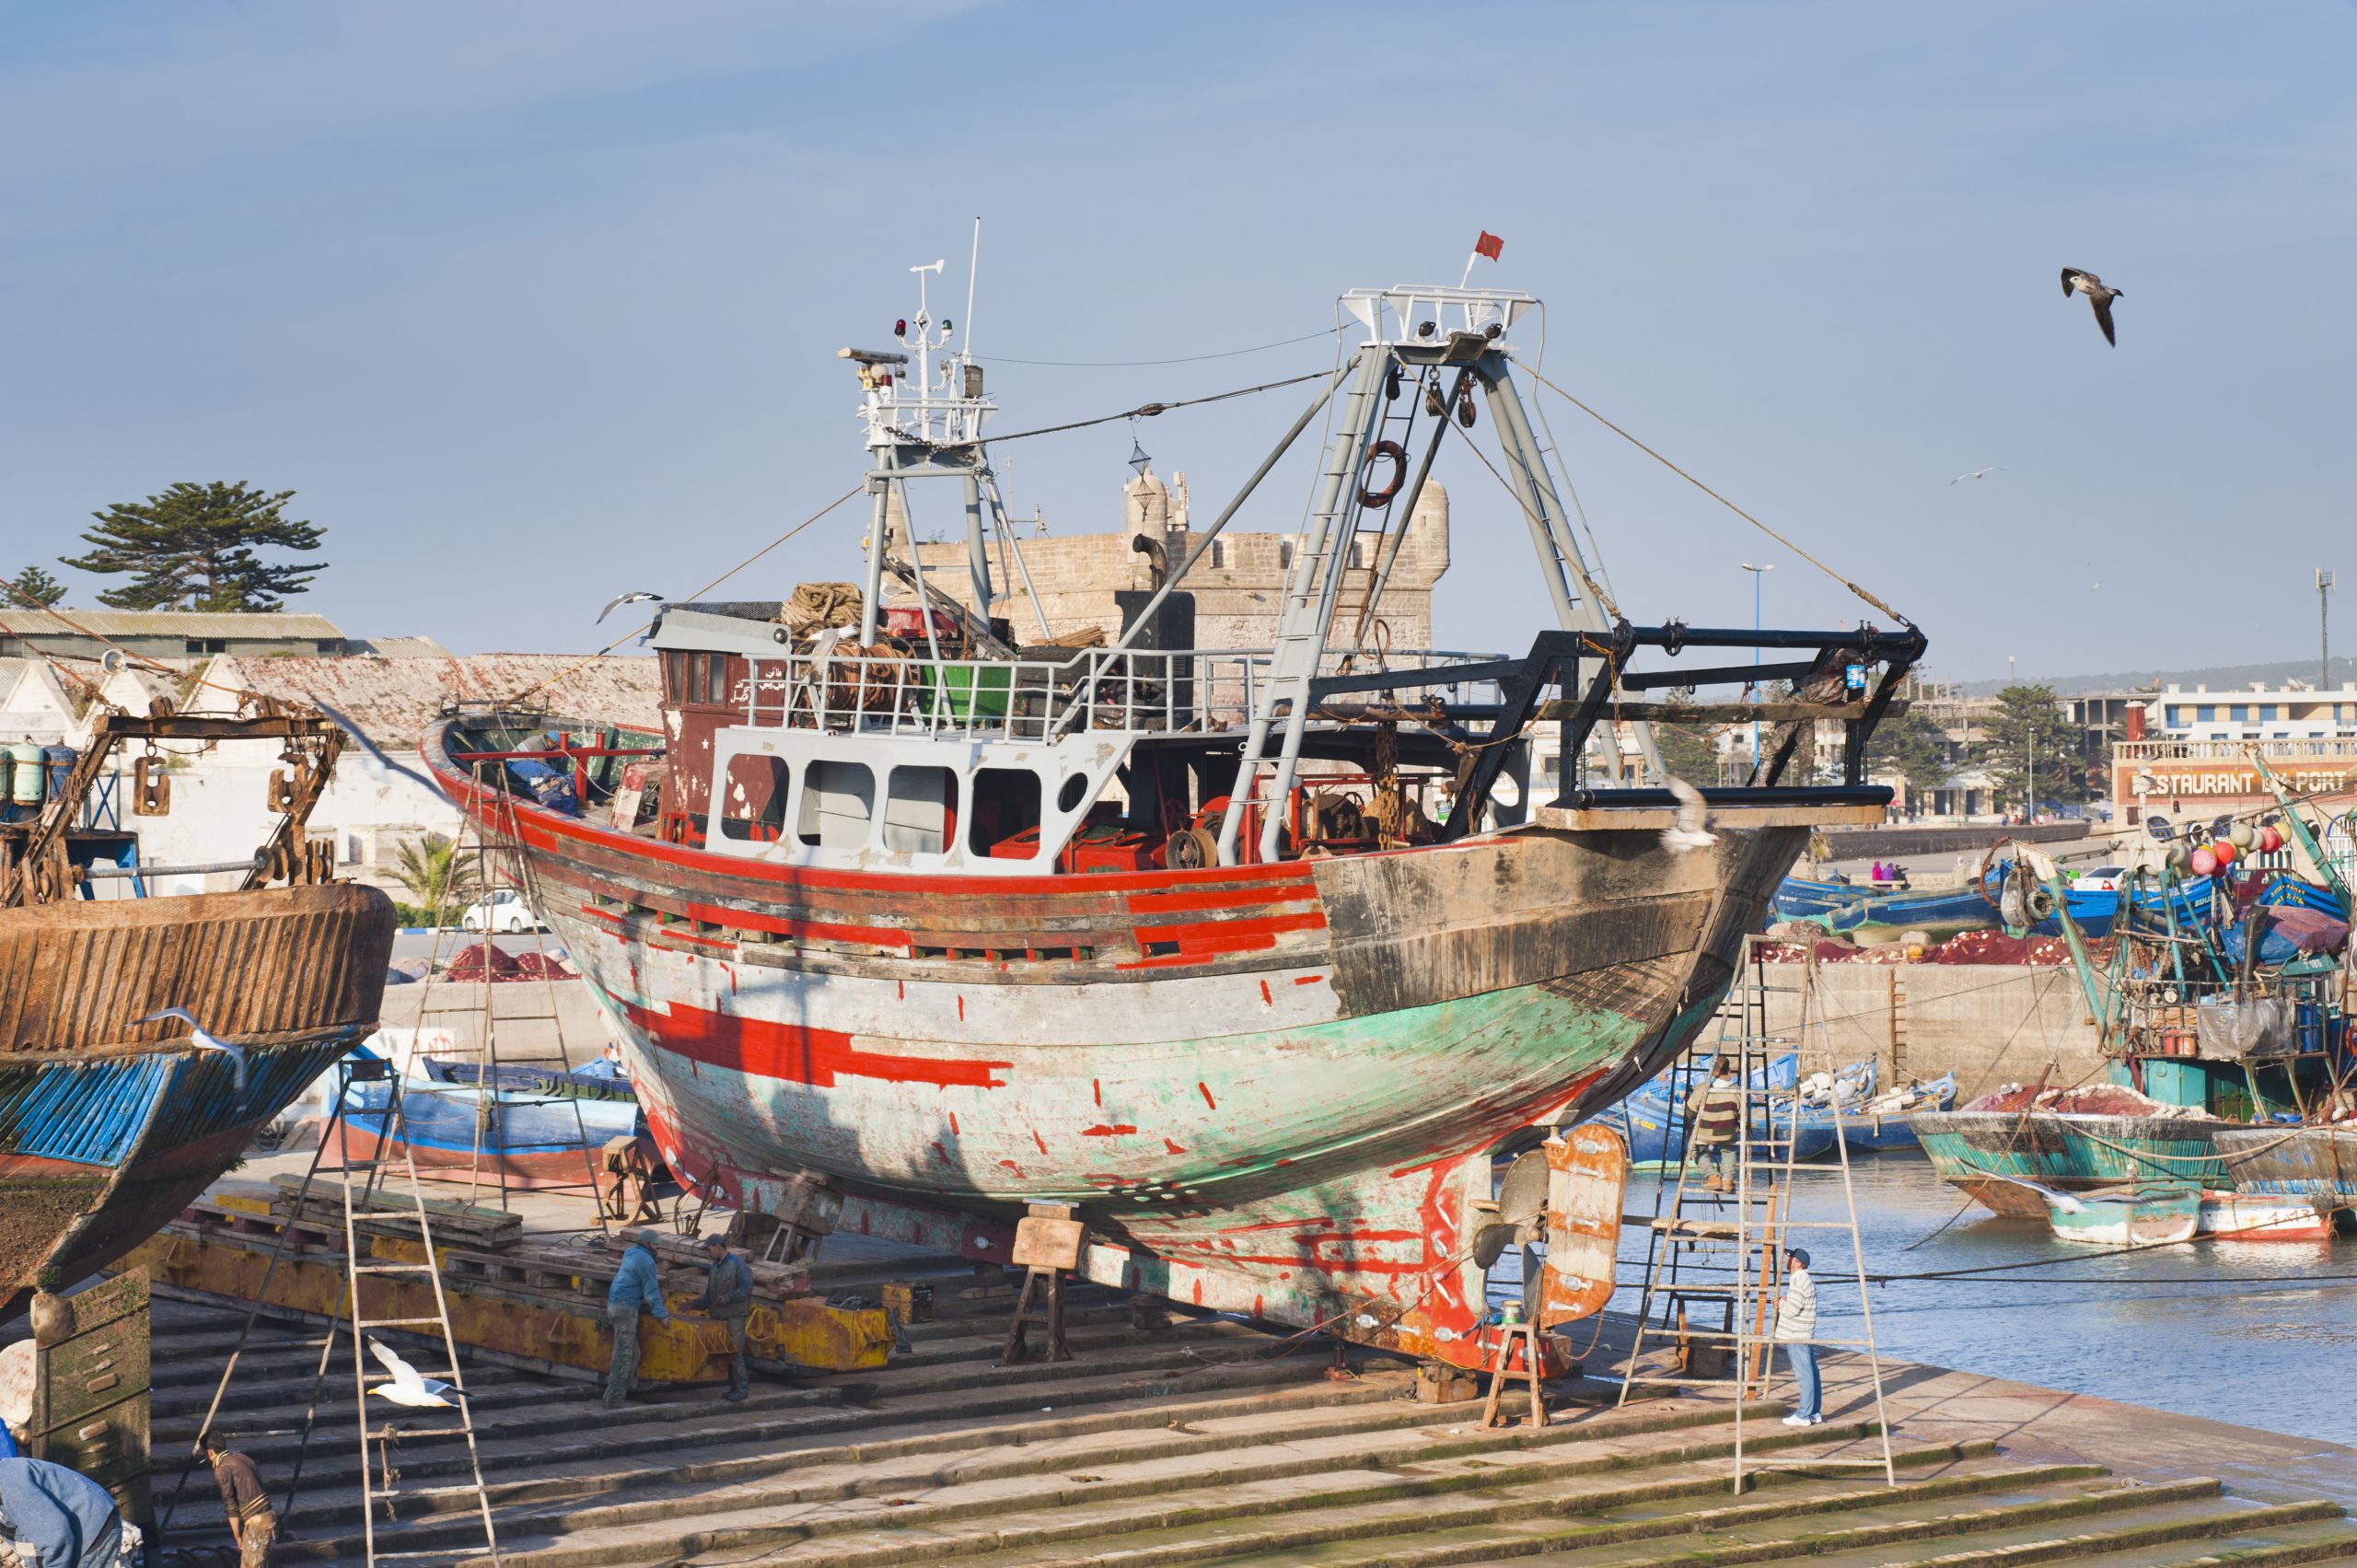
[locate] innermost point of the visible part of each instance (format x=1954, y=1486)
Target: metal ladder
x=1725, y=1249
x=499, y=861
x=1312, y=590
x=348, y=1073
x=381, y=1484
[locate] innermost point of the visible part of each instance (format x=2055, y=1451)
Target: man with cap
x=728, y=1296
x=1795, y=1329
x=636, y=1288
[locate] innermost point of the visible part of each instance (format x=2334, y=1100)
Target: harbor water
x=2242, y=1331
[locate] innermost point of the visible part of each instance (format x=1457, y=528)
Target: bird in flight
x=1975, y=473
x=2076, y=282
x=408, y=1388
x=620, y=599
x=1693, y=826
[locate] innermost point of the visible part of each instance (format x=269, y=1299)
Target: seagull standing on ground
x=201, y=1041
x=1975, y=473
x=2076, y=282
x=407, y=1388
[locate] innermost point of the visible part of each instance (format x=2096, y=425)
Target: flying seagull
x=407, y=1388
x=620, y=599
x=1693, y=820
x=201, y=1041
x=2076, y=282
x=1975, y=473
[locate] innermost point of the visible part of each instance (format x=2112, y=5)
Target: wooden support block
x=1046, y=1286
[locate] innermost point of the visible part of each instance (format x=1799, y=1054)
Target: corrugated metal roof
x=394, y=700
x=167, y=624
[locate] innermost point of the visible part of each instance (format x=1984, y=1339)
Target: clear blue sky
x=533, y=303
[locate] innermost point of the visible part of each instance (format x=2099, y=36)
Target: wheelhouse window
x=920, y=810
x=838, y=803
x=1006, y=808
x=752, y=798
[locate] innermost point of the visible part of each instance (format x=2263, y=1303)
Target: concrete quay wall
x=1992, y=1023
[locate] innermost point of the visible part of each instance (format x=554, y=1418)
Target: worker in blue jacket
x=54, y=1518
x=636, y=1288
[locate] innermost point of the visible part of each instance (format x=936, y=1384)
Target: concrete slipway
x=1204, y=1442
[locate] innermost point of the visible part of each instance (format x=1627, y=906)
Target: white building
x=2295, y=712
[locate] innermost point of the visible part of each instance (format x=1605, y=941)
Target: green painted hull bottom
x=1975, y=1150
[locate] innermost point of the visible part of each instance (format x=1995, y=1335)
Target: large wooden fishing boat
x=937, y=926
x=114, y=1116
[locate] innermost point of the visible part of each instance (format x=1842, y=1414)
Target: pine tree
x=194, y=548
x=31, y=588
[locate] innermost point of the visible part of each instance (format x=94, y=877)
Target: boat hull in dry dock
x=1271, y=1089
x=110, y=1127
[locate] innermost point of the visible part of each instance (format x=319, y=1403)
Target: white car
x=503, y=912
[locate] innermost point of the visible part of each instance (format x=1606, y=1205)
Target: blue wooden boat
x=113, y=1118
x=1843, y=907
x=533, y=1140
x=1887, y=1121
x=596, y=1081
x=1652, y=1118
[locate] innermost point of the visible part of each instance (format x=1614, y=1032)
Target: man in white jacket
x=1796, y=1325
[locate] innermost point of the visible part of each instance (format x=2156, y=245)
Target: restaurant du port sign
x=2178, y=779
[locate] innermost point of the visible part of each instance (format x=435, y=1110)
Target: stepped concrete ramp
x=1211, y=1441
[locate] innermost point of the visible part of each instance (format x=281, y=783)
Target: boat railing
x=1173, y=692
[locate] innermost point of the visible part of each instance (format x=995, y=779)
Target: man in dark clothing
x=253, y=1523
x=728, y=1296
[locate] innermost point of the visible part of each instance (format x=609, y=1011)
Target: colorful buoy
x=2204, y=862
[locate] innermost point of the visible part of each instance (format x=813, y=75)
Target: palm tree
x=436, y=875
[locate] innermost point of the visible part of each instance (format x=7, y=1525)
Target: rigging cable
x=1143, y=410
x=1123, y=364
x=1714, y=495
x=592, y=658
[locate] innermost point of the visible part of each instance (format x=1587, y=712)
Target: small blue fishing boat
x=531, y=1140
x=1652, y=1118
x=598, y=1080
x=1887, y=1121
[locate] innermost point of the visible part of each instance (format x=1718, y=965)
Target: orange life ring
x=1383, y=451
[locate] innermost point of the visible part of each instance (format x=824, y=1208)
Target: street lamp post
x=1757, y=574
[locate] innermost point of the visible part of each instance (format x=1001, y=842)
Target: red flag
x=1489, y=245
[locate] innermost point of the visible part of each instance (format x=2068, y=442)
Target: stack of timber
x=1200, y=1442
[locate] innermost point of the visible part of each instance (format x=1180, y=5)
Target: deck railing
x=2329, y=747
x=1191, y=691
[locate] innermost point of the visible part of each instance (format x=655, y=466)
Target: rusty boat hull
x=1269, y=1088
x=110, y=1127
